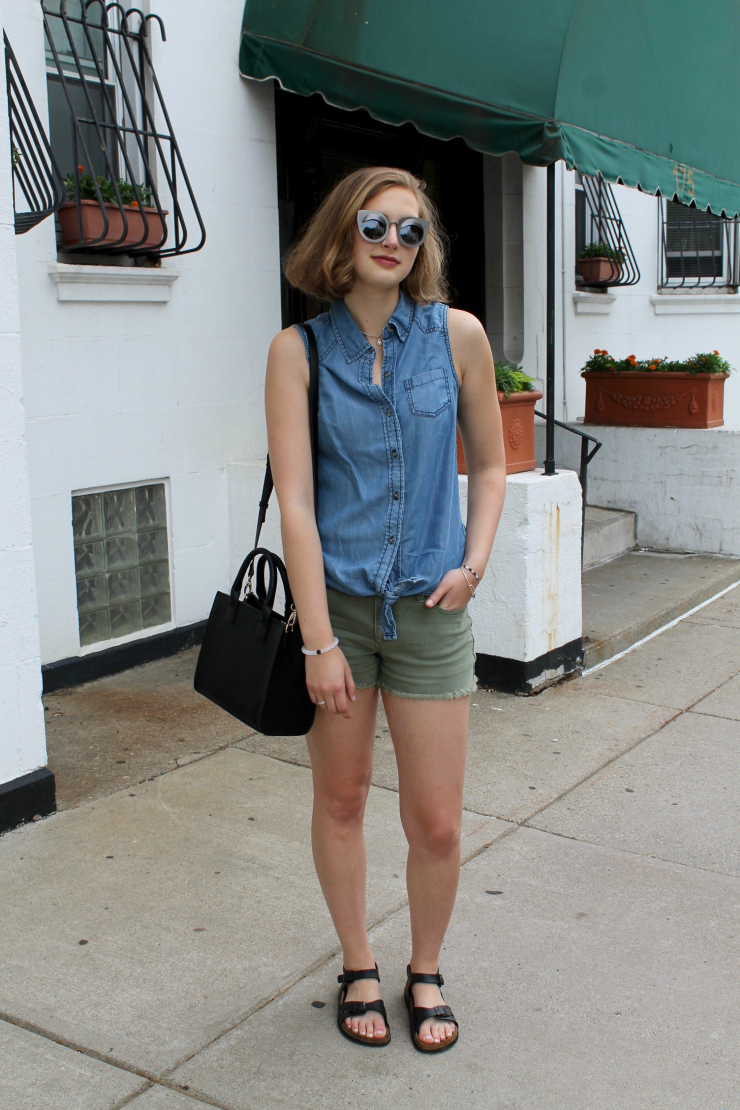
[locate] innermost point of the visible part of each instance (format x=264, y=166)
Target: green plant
x=106, y=188
x=512, y=379
x=707, y=363
x=601, y=250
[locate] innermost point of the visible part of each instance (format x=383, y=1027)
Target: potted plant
x=517, y=397
x=91, y=225
x=656, y=392
x=600, y=264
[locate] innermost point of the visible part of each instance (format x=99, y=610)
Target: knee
x=343, y=805
x=437, y=835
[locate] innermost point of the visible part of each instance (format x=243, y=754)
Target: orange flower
x=715, y=352
x=135, y=203
x=81, y=169
x=652, y=366
x=597, y=351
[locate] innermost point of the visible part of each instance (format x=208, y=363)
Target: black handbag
x=250, y=662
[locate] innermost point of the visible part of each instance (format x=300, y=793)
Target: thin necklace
x=378, y=337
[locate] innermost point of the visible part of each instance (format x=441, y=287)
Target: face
x=386, y=264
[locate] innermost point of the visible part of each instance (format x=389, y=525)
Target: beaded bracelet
x=320, y=651
x=473, y=572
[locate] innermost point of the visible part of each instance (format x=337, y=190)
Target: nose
x=391, y=239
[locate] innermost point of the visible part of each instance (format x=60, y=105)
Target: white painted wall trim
x=679, y=304
x=593, y=304
x=126, y=284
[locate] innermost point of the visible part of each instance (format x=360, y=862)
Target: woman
x=381, y=584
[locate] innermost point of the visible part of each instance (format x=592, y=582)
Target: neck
x=371, y=309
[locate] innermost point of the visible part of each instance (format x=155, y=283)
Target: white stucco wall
x=124, y=393
x=682, y=483
x=22, y=740
x=529, y=601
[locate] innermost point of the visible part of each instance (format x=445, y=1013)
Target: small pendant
x=380, y=342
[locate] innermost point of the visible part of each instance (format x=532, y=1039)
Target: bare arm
x=328, y=677
x=479, y=418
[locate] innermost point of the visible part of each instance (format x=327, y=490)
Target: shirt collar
x=351, y=339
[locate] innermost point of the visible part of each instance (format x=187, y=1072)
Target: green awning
x=647, y=91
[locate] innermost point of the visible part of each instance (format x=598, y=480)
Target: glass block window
x=121, y=562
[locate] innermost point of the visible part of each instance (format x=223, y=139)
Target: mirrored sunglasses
x=374, y=228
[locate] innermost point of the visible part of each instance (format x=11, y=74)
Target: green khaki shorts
x=433, y=657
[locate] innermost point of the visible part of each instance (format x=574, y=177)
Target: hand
x=329, y=680
x=453, y=592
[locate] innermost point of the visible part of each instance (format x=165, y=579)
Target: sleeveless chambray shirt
x=389, y=506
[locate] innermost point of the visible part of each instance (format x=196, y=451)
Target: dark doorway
x=318, y=144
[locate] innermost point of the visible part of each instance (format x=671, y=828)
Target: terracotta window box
x=517, y=419
x=600, y=271
x=655, y=400
x=93, y=225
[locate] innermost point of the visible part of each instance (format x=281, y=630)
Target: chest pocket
x=428, y=393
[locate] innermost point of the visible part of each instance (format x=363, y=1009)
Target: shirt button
x=391, y=539
x=389, y=412
x=394, y=453
x=395, y=496
x=387, y=373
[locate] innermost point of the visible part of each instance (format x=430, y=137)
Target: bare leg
x=430, y=739
x=341, y=754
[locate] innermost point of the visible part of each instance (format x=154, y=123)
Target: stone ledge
x=593, y=304
x=112, y=284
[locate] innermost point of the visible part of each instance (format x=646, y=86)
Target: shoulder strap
x=313, y=427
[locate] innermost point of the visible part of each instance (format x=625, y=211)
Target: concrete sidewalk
x=165, y=944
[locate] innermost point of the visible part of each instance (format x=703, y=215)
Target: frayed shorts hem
x=452, y=695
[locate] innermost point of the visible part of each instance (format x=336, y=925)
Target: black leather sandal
x=353, y=1009
x=419, y=1014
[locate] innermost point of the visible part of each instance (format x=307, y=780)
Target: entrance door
x=318, y=144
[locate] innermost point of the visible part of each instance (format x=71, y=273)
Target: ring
x=321, y=703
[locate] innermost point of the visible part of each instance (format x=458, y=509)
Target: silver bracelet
x=470, y=586
x=320, y=651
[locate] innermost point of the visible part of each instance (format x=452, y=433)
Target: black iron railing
x=123, y=169
x=37, y=182
x=586, y=456
x=600, y=230
x=697, y=248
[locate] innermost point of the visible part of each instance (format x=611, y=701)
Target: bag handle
x=275, y=566
x=313, y=427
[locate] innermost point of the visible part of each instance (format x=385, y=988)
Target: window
x=127, y=190
x=121, y=561
x=697, y=248
x=604, y=255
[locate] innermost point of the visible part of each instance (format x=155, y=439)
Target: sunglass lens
x=411, y=233
x=374, y=227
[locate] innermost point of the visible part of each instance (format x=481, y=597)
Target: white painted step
x=609, y=533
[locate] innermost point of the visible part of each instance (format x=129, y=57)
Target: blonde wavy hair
x=320, y=262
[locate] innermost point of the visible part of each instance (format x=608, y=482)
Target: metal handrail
x=586, y=457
